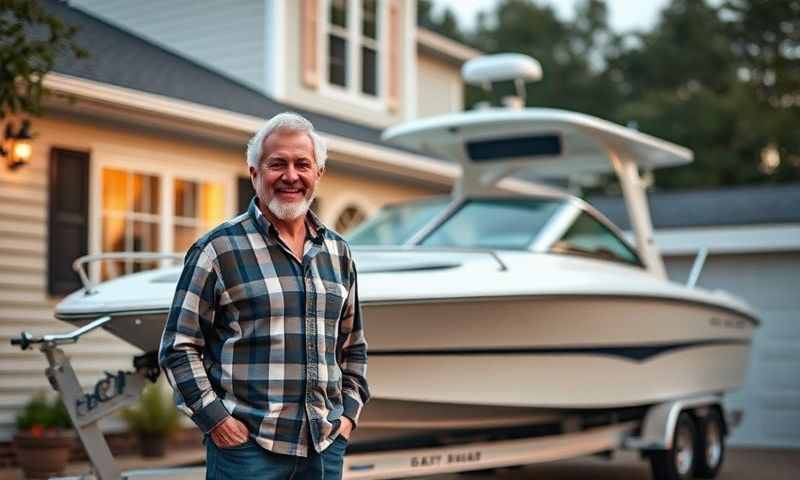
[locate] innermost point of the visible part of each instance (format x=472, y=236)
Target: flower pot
x=152, y=445
x=43, y=455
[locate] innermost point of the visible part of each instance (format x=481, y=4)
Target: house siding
x=444, y=90
x=203, y=30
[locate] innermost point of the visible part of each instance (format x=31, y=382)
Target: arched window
x=350, y=217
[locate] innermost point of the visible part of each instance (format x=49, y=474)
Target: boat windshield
x=509, y=224
x=395, y=224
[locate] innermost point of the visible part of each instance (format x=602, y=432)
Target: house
x=753, y=239
x=148, y=150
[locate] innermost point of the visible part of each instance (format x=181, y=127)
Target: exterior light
x=17, y=146
x=770, y=159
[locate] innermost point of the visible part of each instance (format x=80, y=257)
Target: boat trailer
x=681, y=437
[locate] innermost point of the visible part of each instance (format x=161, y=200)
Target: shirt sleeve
x=355, y=391
x=182, y=342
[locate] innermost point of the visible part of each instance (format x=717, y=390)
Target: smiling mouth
x=290, y=192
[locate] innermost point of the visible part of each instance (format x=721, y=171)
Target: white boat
x=493, y=309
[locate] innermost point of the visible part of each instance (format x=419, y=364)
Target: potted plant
x=44, y=437
x=153, y=419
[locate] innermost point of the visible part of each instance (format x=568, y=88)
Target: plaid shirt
x=256, y=334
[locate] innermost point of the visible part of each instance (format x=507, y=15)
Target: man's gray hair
x=285, y=122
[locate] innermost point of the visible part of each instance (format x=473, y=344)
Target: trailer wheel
x=711, y=440
x=677, y=463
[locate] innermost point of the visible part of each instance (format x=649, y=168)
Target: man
x=264, y=344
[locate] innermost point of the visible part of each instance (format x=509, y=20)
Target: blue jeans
x=250, y=460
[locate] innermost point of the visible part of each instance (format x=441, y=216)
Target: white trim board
x=731, y=239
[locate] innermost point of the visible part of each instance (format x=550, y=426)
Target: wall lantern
x=17, y=146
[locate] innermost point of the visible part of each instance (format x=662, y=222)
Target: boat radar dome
x=502, y=67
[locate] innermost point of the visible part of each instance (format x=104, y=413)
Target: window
x=337, y=43
x=198, y=208
x=130, y=218
x=395, y=224
x=587, y=236
x=494, y=223
x=353, y=37
x=350, y=217
x=369, y=47
x=133, y=216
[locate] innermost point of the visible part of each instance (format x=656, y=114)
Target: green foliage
x=722, y=78
x=41, y=413
x=445, y=23
x=30, y=42
x=155, y=413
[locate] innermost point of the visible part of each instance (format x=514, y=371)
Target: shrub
x=154, y=414
x=40, y=416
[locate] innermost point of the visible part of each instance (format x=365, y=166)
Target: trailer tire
x=679, y=462
x=711, y=442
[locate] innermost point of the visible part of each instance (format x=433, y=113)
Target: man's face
x=288, y=174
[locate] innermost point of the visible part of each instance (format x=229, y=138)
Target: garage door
x=771, y=395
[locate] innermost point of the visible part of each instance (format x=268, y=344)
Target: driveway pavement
x=740, y=464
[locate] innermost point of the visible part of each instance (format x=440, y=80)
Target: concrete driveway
x=740, y=464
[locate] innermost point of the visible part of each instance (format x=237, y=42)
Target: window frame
x=355, y=39
x=167, y=168
x=579, y=209
x=451, y=210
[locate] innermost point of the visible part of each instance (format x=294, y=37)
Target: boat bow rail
x=81, y=262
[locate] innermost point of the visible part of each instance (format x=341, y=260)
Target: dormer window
x=353, y=33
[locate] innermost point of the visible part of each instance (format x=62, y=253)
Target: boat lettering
x=104, y=390
x=450, y=458
x=464, y=457
x=426, y=461
x=728, y=322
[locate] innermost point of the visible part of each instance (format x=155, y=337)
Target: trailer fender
x=658, y=427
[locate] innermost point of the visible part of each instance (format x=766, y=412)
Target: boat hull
x=554, y=352
x=536, y=351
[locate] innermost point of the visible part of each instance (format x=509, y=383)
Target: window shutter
x=68, y=218
x=244, y=193
x=395, y=44
x=309, y=26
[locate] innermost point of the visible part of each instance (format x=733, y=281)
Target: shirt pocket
x=335, y=297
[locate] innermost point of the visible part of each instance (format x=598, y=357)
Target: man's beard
x=290, y=210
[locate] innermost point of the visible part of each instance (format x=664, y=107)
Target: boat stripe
x=629, y=352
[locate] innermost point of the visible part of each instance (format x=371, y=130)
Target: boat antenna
x=487, y=70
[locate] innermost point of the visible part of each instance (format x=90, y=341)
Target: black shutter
x=68, y=218
x=245, y=193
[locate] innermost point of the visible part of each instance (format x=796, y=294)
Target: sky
x=624, y=15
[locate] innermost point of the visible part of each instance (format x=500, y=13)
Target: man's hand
x=346, y=428
x=229, y=433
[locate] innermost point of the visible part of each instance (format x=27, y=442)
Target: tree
x=445, y=23
x=573, y=76
x=766, y=40
x=30, y=41
x=695, y=79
